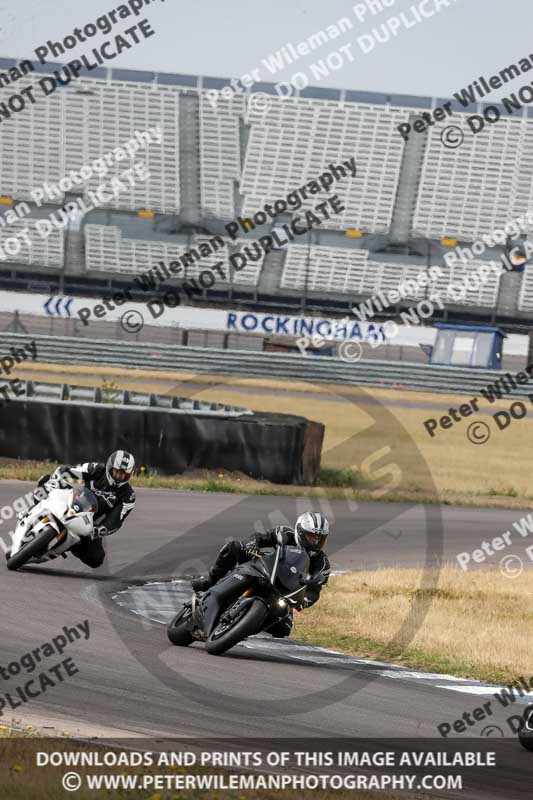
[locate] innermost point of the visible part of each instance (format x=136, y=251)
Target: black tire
x=178, y=632
x=525, y=737
x=249, y=624
x=37, y=547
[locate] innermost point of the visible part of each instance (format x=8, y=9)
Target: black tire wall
x=275, y=447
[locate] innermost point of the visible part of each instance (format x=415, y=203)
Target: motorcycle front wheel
x=178, y=630
x=37, y=547
x=249, y=623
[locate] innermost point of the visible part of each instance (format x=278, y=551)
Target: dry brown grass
x=495, y=474
x=478, y=624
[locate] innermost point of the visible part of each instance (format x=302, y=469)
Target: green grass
x=333, y=484
x=341, y=478
x=364, y=647
x=502, y=492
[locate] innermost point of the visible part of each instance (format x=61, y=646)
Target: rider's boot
x=202, y=583
x=205, y=582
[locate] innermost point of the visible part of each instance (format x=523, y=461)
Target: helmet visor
x=313, y=541
x=120, y=475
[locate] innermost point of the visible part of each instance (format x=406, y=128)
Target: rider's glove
x=307, y=601
x=100, y=531
x=251, y=549
x=58, y=480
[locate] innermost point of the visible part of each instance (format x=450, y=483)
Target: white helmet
x=311, y=531
x=119, y=467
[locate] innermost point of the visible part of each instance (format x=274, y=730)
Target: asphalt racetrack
x=132, y=682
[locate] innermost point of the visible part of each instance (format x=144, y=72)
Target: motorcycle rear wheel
x=37, y=547
x=178, y=630
x=247, y=625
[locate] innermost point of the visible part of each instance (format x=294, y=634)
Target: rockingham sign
x=282, y=325
x=155, y=312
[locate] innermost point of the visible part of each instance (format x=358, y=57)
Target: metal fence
x=39, y=327
x=109, y=395
x=384, y=374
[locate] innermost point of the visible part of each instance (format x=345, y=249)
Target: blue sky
x=435, y=57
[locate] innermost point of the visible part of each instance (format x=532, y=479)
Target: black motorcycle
x=251, y=598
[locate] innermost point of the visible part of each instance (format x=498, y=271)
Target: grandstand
x=215, y=164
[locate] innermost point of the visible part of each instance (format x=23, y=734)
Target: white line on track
x=159, y=601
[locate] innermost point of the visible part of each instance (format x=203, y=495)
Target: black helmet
x=311, y=531
x=119, y=467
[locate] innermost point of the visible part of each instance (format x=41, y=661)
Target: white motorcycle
x=53, y=526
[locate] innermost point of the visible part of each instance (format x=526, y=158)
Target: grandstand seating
x=298, y=138
x=478, y=187
x=107, y=250
x=525, y=301
x=454, y=279
x=75, y=126
x=336, y=269
x=327, y=269
x=43, y=252
x=246, y=157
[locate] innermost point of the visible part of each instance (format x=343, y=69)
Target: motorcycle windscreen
x=83, y=500
x=83, y=506
x=291, y=568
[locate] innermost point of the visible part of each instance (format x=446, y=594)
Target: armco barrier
x=39, y=390
x=418, y=377
x=275, y=447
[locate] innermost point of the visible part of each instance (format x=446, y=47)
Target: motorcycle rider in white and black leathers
x=109, y=482
x=310, y=533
